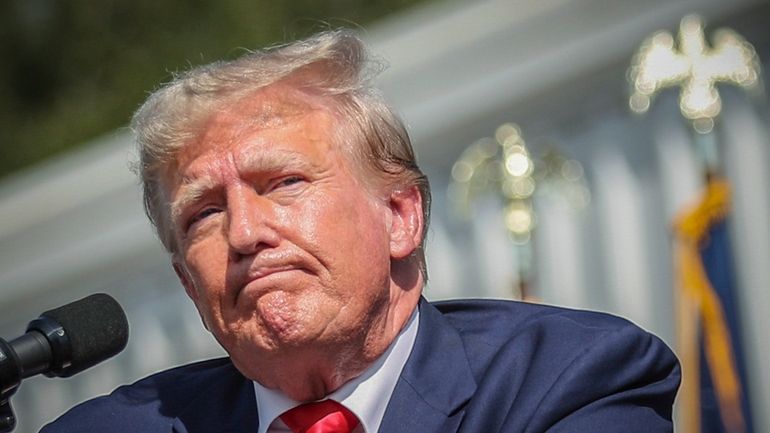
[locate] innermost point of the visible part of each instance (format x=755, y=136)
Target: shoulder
x=497, y=321
x=490, y=326
x=150, y=404
x=565, y=367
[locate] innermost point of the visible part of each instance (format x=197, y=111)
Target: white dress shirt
x=366, y=396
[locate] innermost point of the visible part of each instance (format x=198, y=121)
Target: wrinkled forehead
x=233, y=120
x=234, y=123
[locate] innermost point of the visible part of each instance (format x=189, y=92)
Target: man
x=288, y=196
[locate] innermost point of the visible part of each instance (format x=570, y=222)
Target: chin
x=263, y=337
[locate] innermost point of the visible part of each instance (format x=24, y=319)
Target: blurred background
x=566, y=165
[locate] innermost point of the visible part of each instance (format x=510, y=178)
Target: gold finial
x=694, y=67
x=502, y=165
x=479, y=169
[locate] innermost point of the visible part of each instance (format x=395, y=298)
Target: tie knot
x=325, y=416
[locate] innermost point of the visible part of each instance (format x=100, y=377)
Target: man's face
x=279, y=244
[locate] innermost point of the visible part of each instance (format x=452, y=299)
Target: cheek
x=344, y=226
x=207, y=265
x=361, y=243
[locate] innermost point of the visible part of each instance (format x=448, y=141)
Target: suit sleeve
x=624, y=381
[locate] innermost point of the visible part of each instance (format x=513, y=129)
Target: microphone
x=64, y=341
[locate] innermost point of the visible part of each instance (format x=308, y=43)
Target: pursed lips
x=256, y=281
x=268, y=270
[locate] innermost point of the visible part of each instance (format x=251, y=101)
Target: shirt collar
x=367, y=395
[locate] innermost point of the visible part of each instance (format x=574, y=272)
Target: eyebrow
x=190, y=192
x=276, y=161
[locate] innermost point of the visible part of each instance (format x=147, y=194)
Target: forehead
x=263, y=129
x=272, y=117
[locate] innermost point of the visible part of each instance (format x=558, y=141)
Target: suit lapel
x=436, y=382
x=227, y=407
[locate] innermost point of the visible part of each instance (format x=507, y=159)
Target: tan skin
x=303, y=272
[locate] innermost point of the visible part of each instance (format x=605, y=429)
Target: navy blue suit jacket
x=476, y=367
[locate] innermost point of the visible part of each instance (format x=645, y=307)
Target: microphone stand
x=10, y=378
x=9, y=383
x=7, y=418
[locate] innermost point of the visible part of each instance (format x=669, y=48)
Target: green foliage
x=75, y=69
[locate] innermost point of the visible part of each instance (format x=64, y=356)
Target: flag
x=713, y=398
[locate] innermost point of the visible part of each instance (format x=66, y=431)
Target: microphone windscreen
x=97, y=329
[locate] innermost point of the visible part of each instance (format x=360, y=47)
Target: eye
x=288, y=181
x=203, y=214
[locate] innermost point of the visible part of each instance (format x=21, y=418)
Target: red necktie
x=326, y=416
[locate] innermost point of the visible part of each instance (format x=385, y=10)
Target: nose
x=251, y=219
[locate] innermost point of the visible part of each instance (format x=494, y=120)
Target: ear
x=184, y=278
x=406, y=223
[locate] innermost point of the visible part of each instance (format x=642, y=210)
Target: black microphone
x=64, y=341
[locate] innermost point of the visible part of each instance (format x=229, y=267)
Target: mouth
x=268, y=279
x=263, y=272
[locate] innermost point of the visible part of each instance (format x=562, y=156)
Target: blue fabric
x=477, y=367
x=718, y=263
